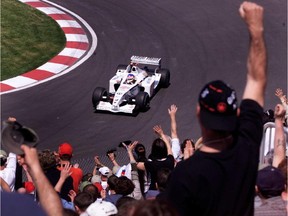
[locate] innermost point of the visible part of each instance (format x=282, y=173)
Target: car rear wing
x=146, y=60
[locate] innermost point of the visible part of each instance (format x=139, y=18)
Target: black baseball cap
x=14, y=135
x=218, y=106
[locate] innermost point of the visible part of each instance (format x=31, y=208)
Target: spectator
x=122, y=186
x=144, y=180
x=28, y=186
x=269, y=187
x=16, y=204
x=220, y=177
x=271, y=181
x=130, y=171
x=160, y=157
x=65, y=153
x=49, y=165
x=82, y=201
x=8, y=168
x=104, y=173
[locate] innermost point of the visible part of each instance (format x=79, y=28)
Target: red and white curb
x=77, y=45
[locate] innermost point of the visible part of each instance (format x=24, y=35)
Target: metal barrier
x=267, y=143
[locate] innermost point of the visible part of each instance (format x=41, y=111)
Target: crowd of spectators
x=219, y=174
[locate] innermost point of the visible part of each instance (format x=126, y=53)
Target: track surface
x=197, y=40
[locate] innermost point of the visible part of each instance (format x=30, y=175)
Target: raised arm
x=281, y=96
x=175, y=142
x=279, y=140
x=4, y=185
x=158, y=129
x=65, y=173
x=172, y=113
x=252, y=14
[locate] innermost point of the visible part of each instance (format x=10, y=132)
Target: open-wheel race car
x=131, y=88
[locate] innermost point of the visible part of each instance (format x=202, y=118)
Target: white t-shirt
x=8, y=174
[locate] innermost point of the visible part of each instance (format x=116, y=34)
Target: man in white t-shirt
x=8, y=168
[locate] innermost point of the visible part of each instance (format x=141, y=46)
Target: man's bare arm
x=279, y=140
x=252, y=14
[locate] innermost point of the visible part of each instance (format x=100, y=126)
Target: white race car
x=132, y=87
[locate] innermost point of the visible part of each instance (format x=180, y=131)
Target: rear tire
x=142, y=101
x=98, y=95
x=165, y=78
x=121, y=67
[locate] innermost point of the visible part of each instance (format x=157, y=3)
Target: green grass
x=29, y=38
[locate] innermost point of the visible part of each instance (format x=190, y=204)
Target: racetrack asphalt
x=198, y=41
x=77, y=44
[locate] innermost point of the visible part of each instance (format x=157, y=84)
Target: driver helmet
x=130, y=77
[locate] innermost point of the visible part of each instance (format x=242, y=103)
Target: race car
x=131, y=88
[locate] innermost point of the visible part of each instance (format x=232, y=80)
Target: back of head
x=112, y=182
x=65, y=151
x=140, y=152
x=82, y=200
x=158, y=150
x=125, y=186
x=3, y=157
x=93, y=190
x=47, y=159
x=218, y=107
x=270, y=182
x=162, y=178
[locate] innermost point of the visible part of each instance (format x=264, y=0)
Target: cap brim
x=218, y=122
x=13, y=139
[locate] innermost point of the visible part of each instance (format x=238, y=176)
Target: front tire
x=142, y=101
x=99, y=94
x=165, y=78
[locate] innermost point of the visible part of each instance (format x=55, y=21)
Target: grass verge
x=29, y=38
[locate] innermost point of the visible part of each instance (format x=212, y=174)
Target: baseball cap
x=270, y=181
x=65, y=149
x=101, y=208
x=3, y=154
x=218, y=106
x=104, y=171
x=14, y=135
